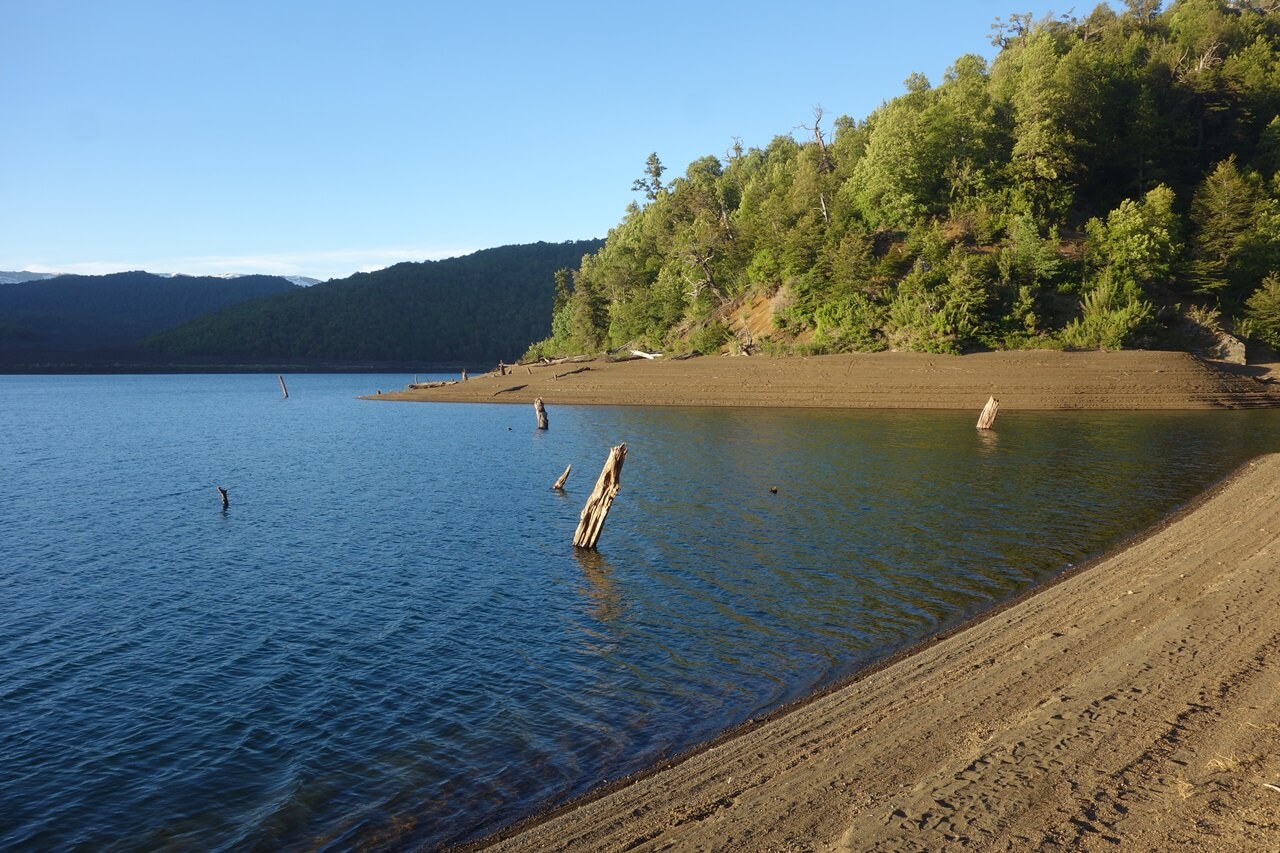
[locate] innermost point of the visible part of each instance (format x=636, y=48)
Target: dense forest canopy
x=1108, y=180
x=472, y=310
x=76, y=313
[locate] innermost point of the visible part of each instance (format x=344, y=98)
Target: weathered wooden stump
x=988, y=417
x=591, y=522
x=559, y=484
x=541, y=411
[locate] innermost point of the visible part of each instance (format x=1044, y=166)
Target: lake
x=387, y=640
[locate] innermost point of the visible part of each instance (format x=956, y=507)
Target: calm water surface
x=387, y=639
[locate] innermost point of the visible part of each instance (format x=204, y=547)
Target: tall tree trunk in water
x=591, y=521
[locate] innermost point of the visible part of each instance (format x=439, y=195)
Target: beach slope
x=1023, y=380
x=1133, y=705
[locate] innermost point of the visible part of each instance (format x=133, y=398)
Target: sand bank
x=1133, y=705
x=1028, y=380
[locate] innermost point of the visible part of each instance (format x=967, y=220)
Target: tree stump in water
x=542, y=413
x=591, y=522
x=559, y=484
x=988, y=417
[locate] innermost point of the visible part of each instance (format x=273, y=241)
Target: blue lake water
x=387, y=640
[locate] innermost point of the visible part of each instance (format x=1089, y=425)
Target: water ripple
x=386, y=640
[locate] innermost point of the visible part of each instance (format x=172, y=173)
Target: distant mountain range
x=86, y=313
x=18, y=277
x=466, y=311
x=7, y=277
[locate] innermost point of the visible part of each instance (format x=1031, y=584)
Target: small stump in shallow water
x=988, y=417
x=559, y=484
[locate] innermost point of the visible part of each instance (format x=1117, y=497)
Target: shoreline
x=1028, y=380
x=892, y=758
x=979, y=735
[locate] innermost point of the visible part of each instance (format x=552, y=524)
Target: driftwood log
x=541, y=411
x=559, y=484
x=988, y=417
x=575, y=358
x=591, y=522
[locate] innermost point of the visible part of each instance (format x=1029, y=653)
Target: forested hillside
x=78, y=313
x=1106, y=181
x=476, y=309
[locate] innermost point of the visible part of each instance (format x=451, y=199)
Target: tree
x=1144, y=11
x=1113, y=316
x=564, y=288
x=1003, y=33
x=1263, y=311
x=651, y=184
x=889, y=183
x=1222, y=211
x=1026, y=258
x=1138, y=242
x=589, y=312
x=1041, y=162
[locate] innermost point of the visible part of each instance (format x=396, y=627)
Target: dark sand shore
x=1034, y=380
x=1133, y=705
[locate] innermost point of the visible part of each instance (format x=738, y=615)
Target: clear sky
x=315, y=137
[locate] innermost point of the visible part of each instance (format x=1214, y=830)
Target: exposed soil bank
x=1134, y=705
x=1026, y=380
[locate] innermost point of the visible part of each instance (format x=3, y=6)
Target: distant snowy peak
x=302, y=280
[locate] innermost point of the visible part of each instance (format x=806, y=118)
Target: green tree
x=966, y=138
x=1263, y=311
x=889, y=184
x=1223, y=212
x=651, y=184
x=1113, y=315
x=1144, y=11
x=1026, y=258
x=1138, y=242
x=563, y=288
x=1041, y=163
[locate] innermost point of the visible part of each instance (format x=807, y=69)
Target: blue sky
x=321, y=138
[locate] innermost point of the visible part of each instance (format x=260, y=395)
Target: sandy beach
x=1027, y=380
x=1133, y=704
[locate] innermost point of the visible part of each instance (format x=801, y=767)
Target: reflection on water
x=388, y=638
x=600, y=589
